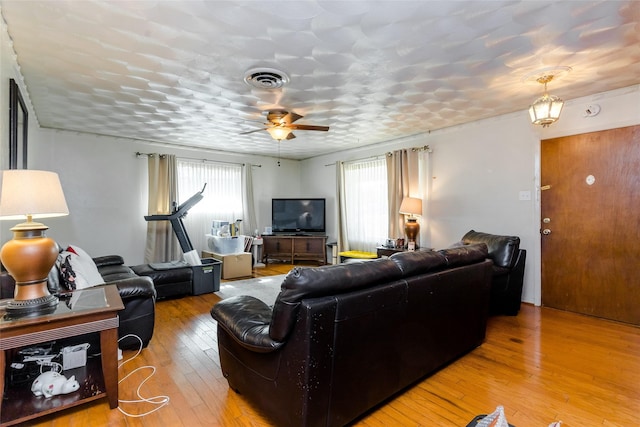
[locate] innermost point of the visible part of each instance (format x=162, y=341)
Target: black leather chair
x=508, y=270
x=137, y=293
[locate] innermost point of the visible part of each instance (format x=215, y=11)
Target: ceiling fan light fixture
x=279, y=132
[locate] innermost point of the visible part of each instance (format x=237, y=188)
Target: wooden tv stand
x=294, y=248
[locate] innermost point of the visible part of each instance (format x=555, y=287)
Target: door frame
x=537, y=218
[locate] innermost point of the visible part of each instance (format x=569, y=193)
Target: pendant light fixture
x=546, y=109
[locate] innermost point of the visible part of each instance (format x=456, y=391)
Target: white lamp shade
x=31, y=192
x=411, y=206
x=279, y=133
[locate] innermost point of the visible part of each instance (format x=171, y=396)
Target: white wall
x=9, y=69
x=105, y=185
x=479, y=170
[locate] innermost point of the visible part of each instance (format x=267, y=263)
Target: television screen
x=298, y=215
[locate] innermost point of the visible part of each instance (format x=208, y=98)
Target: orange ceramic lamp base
x=28, y=258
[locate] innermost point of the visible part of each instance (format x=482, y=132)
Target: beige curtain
x=342, y=240
x=162, y=245
x=403, y=177
x=249, y=222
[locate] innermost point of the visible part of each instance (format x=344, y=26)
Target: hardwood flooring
x=543, y=365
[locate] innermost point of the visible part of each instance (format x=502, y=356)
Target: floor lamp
x=411, y=206
x=30, y=255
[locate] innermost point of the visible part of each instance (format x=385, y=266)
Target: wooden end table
x=81, y=312
x=383, y=251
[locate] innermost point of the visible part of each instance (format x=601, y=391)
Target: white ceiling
x=172, y=71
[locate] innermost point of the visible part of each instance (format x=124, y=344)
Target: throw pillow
x=78, y=269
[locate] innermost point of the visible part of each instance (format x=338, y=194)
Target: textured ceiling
x=172, y=71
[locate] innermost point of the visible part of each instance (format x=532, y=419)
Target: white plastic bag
x=494, y=419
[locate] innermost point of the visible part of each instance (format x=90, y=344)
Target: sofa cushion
x=503, y=250
x=463, y=255
x=302, y=283
x=418, y=261
x=112, y=273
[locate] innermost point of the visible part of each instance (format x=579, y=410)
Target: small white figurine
x=52, y=383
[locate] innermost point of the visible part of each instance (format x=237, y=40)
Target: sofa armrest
x=246, y=319
x=102, y=261
x=135, y=287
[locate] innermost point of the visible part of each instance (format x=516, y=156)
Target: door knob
x=546, y=220
x=546, y=231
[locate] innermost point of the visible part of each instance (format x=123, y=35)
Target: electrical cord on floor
x=157, y=400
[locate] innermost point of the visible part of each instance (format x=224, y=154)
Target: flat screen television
x=298, y=215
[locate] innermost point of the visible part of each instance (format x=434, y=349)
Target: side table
x=385, y=251
x=80, y=312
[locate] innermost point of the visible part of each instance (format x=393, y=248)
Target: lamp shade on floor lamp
x=29, y=256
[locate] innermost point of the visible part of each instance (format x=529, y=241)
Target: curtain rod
x=138, y=154
x=423, y=148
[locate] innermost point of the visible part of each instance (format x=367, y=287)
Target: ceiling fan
x=280, y=125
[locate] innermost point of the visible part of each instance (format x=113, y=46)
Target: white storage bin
x=225, y=245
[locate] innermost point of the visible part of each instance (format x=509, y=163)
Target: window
x=222, y=196
x=365, y=190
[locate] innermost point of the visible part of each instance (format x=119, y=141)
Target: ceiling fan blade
x=290, y=136
x=309, y=127
x=252, y=131
x=291, y=117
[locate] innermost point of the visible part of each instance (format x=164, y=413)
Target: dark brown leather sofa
x=341, y=339
x=508, y=270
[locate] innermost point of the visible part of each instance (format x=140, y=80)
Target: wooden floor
x=543, y=365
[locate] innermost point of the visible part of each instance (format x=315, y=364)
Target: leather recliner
x=137, y=293
x=508, y=270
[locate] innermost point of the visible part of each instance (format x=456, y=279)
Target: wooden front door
x=590, y=230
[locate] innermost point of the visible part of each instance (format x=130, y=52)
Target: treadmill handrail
x=176, y=220
x=181, y=210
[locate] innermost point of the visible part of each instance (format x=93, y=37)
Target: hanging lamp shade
x=546, y=109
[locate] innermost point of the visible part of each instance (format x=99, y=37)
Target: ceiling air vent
x=266, y=78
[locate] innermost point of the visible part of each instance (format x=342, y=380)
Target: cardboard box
x=235, y=265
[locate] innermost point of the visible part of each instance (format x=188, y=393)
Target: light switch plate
x=525, y=195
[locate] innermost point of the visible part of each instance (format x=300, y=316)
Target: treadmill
x=175, y=218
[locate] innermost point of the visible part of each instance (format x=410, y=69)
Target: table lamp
x=30, y=255
x=411, y=206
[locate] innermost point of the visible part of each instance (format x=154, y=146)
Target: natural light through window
x=367, y=215
x=222, y=196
